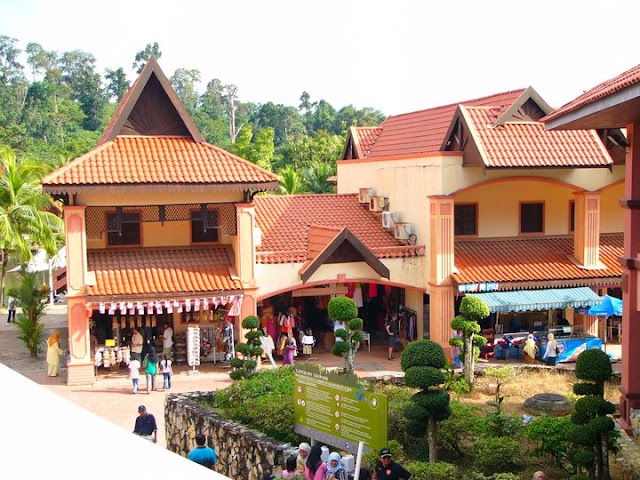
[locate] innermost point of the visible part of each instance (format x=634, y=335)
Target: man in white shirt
x=167, y=341
x=136, y=344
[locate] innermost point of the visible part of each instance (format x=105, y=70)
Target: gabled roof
x=424, y=131
x=145, y=160
x=526, y=144
x=286, y=220
x=122, y=274
x=344, y=247
x=618, y=91
x=534, y=262
x=152, y=141
x=151, y=107
x=360, y=140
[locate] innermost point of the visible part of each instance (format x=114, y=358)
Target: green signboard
x=339, y=409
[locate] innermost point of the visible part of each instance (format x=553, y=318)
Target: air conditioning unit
x=366, y=194
x=389, y=219
x=378, y=203
x=402, y=230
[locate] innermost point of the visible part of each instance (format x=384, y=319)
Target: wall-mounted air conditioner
x=402, y=230
x=389, y=219
x=366, y=194
x=378, y=203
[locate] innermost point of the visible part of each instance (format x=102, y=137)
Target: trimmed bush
x=432, y=471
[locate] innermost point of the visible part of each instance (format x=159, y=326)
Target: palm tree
x=26, y=222
x=316, y=175
x=290, y=181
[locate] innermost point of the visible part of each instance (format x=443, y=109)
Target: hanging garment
x=357, y=295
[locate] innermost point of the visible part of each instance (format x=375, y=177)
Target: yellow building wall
x=156, y=198
x=611, y=218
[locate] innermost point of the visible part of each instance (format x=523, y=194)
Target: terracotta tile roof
x=319, y=237
x=532, y=260
x=168, y=271
x=527, y=144
x=365, y=138
x=159, y=160
x=424, y=131
x=285, y=221
x=606, y=88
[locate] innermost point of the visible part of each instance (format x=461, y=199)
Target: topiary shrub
x=593, y=434
x=456, y=433
x=345, y=311
x=245, y=366
x=548, y=435
x=422, y=362
x=472, y=310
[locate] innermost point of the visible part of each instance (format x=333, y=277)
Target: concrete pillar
x=630, y=387
x=586, y=233
x=245, y=254
x=441, y=312
x=80, y=369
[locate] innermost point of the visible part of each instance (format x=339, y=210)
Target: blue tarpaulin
x=531, y=300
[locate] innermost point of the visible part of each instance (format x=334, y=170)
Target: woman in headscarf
x=151, y=369
x=335, y=468
x=551, y=352
x=316, y=469
x=303, y=454
x=530, y=349
x=53, y=354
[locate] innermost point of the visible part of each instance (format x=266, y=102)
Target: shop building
x=501, y=205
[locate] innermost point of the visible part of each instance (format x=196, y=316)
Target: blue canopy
x=609, y=306
x=529, y=300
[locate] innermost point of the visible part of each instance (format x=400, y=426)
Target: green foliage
x=422, y=352
x=345, y=311
x=502, y=425
x=549, y=437
x=492, y=451
x=455, y=382
x=587, y=389
x=457, y=432
x=251, y=350
x=423, y=377
x=474, y=308
x=594, y=366
x=458, y=323
x=432, y=471
x=342, y=309
x=504, y=476
x=32, y=296
x=500, y=376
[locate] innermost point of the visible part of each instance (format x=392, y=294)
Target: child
x=289, y=351
x=167, y=372
x=290, y=467
x=308, y=342
x=134, y=373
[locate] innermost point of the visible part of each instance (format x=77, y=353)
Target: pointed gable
x=152, y=143
x=344, y=247
x=514, y=137
x=151, y=107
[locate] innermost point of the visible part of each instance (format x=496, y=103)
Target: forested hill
x=55, y=106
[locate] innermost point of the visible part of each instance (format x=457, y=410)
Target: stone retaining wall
x=242, y=453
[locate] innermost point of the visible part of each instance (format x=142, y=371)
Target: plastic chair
x=367, y=340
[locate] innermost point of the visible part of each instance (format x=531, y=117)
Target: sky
x=394, y=56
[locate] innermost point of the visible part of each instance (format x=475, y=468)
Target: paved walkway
x=111, y=396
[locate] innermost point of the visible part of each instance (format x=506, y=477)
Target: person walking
x=315, y=469
x=53, y=354
x=552, y=351
x=387, y=469
x=145, y=425
x=134, y=373
x=530, y=350
x=203, y=454
x=151, y=369
x=11, y=307
x=391, y=327
x=167, y=372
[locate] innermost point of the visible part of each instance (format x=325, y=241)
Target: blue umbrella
x=609, y=306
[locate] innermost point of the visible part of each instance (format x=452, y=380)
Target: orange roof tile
x=424, y=131
x=527, y=144
x=606, y=88
x=159, y=160
x=365, y=138
x=532, y=260
x=285, y=222
x=161, y=271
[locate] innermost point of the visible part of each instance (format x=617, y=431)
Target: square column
x=630, y=387
x=245, y=254
x=586, y=233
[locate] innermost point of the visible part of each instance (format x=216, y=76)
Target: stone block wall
x=242, y=453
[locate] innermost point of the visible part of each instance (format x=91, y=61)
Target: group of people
x=151, y=364
x=532, y=351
